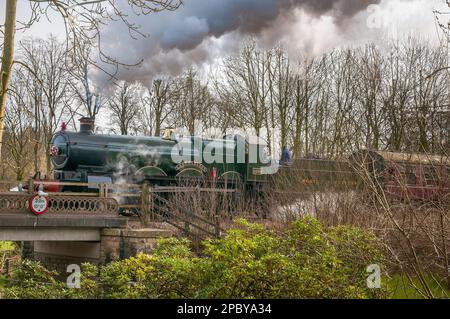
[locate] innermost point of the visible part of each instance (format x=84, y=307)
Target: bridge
x=109, y=222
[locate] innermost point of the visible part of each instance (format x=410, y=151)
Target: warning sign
x=38, y=204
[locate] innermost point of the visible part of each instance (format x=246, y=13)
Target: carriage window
x=411, y=178
x=400, y=174
x=390, y=173
x=431, y=176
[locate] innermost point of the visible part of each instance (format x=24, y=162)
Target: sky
x=202, y=32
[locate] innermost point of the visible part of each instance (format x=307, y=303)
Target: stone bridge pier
x=114, y=244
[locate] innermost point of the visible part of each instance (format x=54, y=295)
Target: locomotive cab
x=169, y=134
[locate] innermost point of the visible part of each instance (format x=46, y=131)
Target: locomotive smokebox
x=87, y=125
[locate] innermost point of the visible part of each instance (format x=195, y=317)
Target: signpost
x=39, y=204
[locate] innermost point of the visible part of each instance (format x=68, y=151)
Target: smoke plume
x=201, y=31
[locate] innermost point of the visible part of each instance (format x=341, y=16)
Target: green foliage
x=306, y=261
x=349, y=240
x=90, y=289
x=7, y=246
x=32, y=280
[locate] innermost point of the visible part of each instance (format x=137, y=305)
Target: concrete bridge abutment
x=114, y=245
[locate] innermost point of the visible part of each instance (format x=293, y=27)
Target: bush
x=306, y=261
x=31, y=280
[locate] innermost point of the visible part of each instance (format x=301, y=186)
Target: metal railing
x=188, y=222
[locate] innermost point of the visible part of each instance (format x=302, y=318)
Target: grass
x=400, y=288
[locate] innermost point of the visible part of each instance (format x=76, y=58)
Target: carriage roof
x=412, y=158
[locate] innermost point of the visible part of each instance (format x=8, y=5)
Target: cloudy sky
x=202, y=32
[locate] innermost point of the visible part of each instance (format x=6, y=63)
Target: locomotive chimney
x=87, y=125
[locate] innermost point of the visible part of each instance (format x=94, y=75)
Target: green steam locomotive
x=93, y=158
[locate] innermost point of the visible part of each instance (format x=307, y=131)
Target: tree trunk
x=7, y=60
x=36, y=135
x=158, y=121
x=158, y=129
x=298, y=121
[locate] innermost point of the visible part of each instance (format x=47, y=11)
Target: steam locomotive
x=235, y=162
x=93, y=158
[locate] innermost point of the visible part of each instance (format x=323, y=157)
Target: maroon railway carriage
x=408, y=176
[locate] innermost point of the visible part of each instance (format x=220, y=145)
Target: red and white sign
x=38, y=204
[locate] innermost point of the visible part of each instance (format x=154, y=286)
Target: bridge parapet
x=17, y=203
x=78, y=218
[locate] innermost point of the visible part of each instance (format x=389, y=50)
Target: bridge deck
x=16, y=220
x=15, y=227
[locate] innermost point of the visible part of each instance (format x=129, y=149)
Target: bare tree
x=345, y=100
x=194, y=101
x=281, y=87
x=370, y=64
x=19, y=133
x=90, y=100
x=45, y=61
x=83, y=21
x=7, y=60
x=157, y=105
x=245, y=87
x=125, y=107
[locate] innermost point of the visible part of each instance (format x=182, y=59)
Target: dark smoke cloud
x=184, y=36
x=201, y=18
